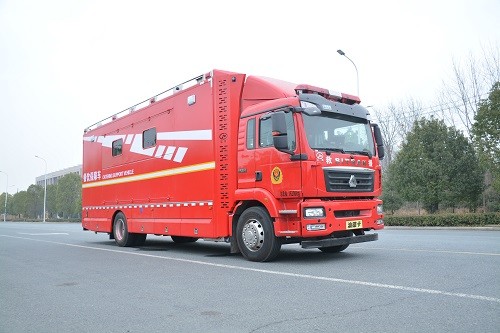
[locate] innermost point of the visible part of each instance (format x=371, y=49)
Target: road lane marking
x=266, y=271
x=43, y=233
x=422, y=250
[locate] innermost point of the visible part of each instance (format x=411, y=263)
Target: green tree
x=392, y=199
x=486, y=134
x=35, y=201
x=437, y=165
x=69, y=195
x=20, y=204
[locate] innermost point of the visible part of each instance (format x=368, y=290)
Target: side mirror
x=280, y=138
x=379, y=141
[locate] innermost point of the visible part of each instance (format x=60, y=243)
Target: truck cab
x=313, y=157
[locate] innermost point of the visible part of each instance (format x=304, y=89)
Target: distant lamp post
x=44, y=187
x=342, y=53
x=6, y=194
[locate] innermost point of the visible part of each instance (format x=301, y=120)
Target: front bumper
x=327, y=242
x=340, y=215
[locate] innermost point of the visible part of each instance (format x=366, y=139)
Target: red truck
x=252, y=161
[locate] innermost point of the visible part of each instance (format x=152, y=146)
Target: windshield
x=336, y=132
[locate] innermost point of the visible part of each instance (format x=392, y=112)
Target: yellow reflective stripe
x=152, y=175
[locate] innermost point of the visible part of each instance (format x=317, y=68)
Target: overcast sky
x=65, y=64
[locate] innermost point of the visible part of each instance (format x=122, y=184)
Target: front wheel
x=255, y=235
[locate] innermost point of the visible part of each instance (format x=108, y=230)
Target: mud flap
x=234, y=246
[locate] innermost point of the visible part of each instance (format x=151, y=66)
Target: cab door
x=280, y=174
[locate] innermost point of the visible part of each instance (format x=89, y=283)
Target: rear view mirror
x=379, y=141
x=280, y=138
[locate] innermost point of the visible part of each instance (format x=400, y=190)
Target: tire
x=120, y=230
x=183, y=240
x=255, y=235
x=334, y=249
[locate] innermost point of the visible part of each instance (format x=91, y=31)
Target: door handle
x=258, y=176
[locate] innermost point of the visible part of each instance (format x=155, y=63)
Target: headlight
x=380, y=209
x=314, y=212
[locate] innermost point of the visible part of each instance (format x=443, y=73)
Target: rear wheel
x=255, y=235
x=120, y=230
x=182, y=239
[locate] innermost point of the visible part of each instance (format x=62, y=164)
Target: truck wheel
x=255, y=235
x=182, y=239
x=334, y=249
x=120, y=230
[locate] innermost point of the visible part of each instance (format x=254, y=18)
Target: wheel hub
x=120, y=229
x=253, y=235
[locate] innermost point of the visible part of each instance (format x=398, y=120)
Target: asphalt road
x=54, y=277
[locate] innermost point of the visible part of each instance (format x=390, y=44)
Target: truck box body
x=192, y=161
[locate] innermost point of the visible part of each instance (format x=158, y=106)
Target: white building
x=53, y=177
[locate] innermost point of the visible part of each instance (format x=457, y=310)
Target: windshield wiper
x=340, y=150
x=360, y=152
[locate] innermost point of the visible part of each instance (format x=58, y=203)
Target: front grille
x=347, y=180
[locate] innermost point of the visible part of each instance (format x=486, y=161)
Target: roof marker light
x=328, y=94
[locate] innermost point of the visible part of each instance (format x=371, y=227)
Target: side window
x=251, y=134
x=266, y=135
x=149, y=138
x=117, y=147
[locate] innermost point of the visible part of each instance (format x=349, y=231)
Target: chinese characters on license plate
x=357, y=224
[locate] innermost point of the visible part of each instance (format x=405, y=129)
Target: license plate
x=356, y=224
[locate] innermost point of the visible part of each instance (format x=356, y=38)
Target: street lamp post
x=6, y=194
x=44, y=187
x=342, y=53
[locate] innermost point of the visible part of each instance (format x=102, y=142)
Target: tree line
x=63, y=200
x=447, y=155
